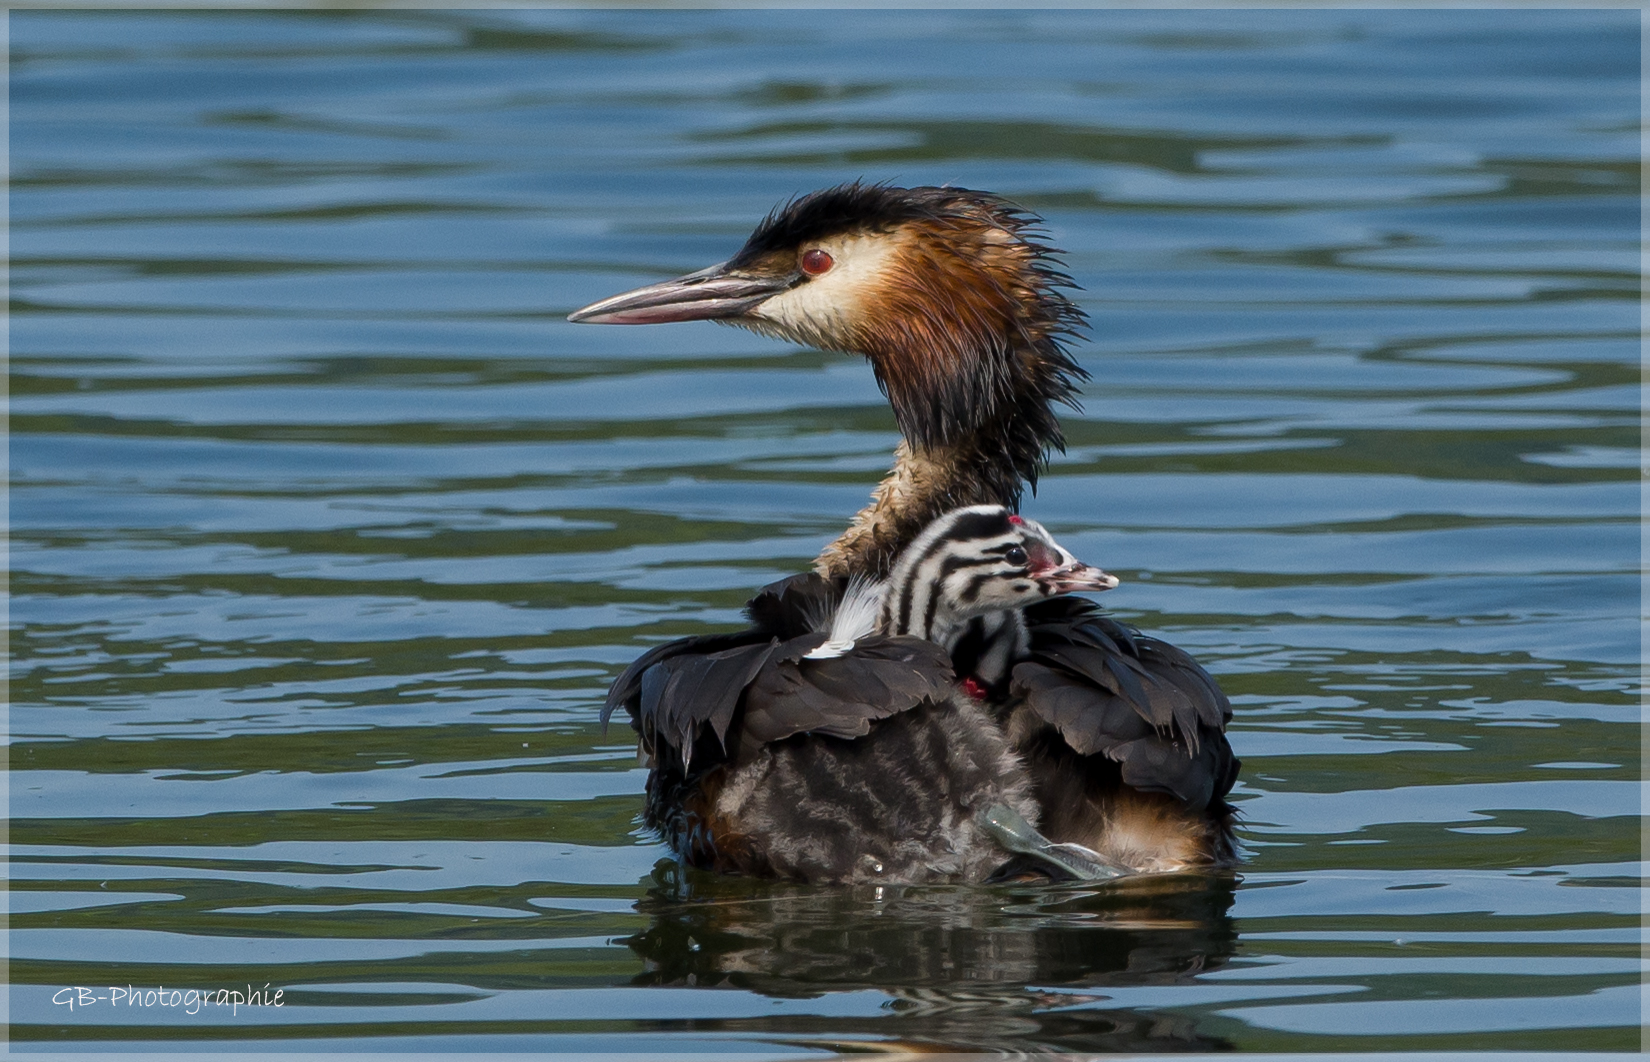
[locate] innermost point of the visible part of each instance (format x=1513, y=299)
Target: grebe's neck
x=960, y=314
x=992, y=465
x=923, y=485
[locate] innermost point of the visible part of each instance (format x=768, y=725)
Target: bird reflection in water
x=1015, y=968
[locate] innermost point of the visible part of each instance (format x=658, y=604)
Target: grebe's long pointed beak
x=706, y=295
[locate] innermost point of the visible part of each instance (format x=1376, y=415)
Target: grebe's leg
x=1010, y=829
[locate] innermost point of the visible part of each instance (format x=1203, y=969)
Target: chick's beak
x=1079, y=577
x=714, y=292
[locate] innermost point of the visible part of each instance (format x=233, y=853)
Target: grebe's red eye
x=815, y=262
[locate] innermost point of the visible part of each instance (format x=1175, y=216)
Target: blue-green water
x=328, y=532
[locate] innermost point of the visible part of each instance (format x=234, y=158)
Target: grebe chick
x=957, y=305
x=849, y=753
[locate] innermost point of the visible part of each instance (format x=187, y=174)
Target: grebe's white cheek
x=829, y=302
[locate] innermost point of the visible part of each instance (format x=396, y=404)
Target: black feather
x=843, y=696
x=688, y=690
x=754, y=687
x=1109, y=690
x=1153, y=765
x=628, y=686
x=1091, y=720
x=783, y=611
x=865, y=766
x=793, y=607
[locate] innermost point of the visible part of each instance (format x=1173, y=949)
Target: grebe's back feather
x=688, y=692
x=842, y=696
x=849, y=753
x=1098, y=703
x=864, y=766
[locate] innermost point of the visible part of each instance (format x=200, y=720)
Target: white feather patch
x=854, y=618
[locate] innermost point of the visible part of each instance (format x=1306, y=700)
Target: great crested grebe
x=956, y=303
x=844, y=748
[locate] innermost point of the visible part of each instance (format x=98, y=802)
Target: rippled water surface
x=328, y=532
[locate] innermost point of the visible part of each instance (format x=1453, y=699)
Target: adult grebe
x=832, y=742
x=956, y=304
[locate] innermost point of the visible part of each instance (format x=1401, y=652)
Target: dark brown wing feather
x=681, y=692
x=711, y=706
x=1109, y=690
x=688, y=690
x=843, y=696
x=794, y=606
x=674, y=688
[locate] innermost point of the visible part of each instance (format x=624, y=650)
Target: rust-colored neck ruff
x=964, y=332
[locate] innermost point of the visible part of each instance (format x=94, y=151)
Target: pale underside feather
x=853, y=619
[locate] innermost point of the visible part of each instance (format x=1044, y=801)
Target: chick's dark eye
x=1015, y=555
x=815, y=262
